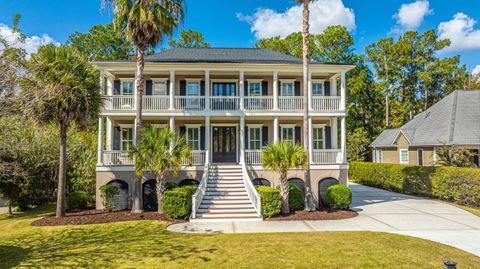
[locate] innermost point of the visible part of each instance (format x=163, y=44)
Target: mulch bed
x=99, y=216
x=321, y=214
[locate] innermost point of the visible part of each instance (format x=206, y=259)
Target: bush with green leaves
x=295, y=197
x=177, y=202
x=107, y=193
x=78, y=200
x=271, y=201
x=170, y=185
x=339, y=196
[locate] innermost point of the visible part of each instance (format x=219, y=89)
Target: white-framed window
x=159, y=88
x=378, y=156
x=127, y=87
x=254, y=88
x=318, y=137
x=420, y=156
x=287, y=89
x=255, y=138
x=288, y=133
x=193, y=88
x=193, y=137
x=126, y=138
x=318, y=89
x=404, y=156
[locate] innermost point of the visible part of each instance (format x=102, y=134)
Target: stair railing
x=197, y=197
x=251, y=191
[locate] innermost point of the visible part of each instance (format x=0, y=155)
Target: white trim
x=193, y=79
x=288, y=126
x=324, y=140
x=254, y=126
x=121, y=86
x=318, y=81
x=323, y=87
x=126, y=79
x=259, y=82
x=125, y=125
x=398, y=134
x=288, y=80
x=192, y=125
x=255, y=80
x=158, y=79
x=155, y=125
x=400, y=156
x=199, y=138
x=282, y=82
x=224, y=80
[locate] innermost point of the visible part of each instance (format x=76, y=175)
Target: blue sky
x=240, y=23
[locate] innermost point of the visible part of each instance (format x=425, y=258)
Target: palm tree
x=145, y=23
x=161, y=153
x=281, y=157
x=309, y=204
x=62, y=88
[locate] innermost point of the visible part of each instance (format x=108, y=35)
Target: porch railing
x=197, y=158
x=326, y=156
x=251, y=191
x=116, y=157
x=156, y=102
x=290, y=102
x=224, y=102
x=326, y=103
x=197, y=197
x=120, y=102
x=253, y=156
x=258, y=103
x=189, y=102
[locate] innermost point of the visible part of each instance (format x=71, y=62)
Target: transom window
x=317, y=89
x=193, y=88
x=160, y=88
x=127, y=138
x=254, y=89
x=254, y=138
x=127, y=87
x=318, y=138
x=404, y=156
x=288, y=134
x=193, y=137
x=287, y=89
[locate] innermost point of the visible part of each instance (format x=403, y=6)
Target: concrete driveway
x=3, y=210
x=380, y=211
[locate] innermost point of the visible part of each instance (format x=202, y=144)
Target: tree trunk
x=160, y=189
x=10, y=212
x=62, y=171
x=309, y=204
x=284, y=193
x=137, y=206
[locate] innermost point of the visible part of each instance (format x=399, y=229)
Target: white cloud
x=31, y=44
x=460, y=30
x=410, y=16
x=476, y=70
x=267, y=22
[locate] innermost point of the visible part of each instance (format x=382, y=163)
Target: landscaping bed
x=99, y=216
x=321, y=214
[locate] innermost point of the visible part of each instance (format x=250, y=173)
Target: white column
x=172, y=89
x=100, y=142
x=242, y=89
x=110, y=81
x=333, y=86
x=343, y=91
x=102, y=82
x=310, y=140
x=344, y=140
x=109, y=133
x=309, y=94
x=242, y=139
x=275, y=129
x=275, y=90
x=207, y=89
x=334, y=125
x=207, y=139
x=171, y=126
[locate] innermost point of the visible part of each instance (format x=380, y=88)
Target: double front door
x=224, y=144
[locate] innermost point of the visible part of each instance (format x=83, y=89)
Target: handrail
x=251, y=191
x=197, y=197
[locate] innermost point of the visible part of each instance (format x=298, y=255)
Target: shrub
x=295, y=197
x=339, y=196
x=177, y=203
x=457, y=184
x=78, y=200
x=271, y=201
x=107, y=193
x=170, y=185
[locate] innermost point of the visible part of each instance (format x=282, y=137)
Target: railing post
x=172, y=89
x=275, y=90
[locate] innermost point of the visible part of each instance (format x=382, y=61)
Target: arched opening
x=261, y=182
x=150, y=202
x=322, y=189
x=299, y=183
x=121, y=199
x=187, y=182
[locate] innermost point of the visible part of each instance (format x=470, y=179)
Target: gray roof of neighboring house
x=454, y=120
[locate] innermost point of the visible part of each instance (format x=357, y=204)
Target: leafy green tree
x=280, y=158
x=161, y=153
x=102, y=42
x=357, y=145
x=145, y=23
x=291, y=44
x=61, y=88
x=452, y=155
x=189, y=39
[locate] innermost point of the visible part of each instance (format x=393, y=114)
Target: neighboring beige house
x=229, y=103
x=454, y=120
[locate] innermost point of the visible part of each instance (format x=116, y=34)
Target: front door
x=224, y=143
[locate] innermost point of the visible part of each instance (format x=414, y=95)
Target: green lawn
x=149, y=244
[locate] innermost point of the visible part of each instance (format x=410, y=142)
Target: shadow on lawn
x=11, y=256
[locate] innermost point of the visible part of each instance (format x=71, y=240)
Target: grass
x=149, y=244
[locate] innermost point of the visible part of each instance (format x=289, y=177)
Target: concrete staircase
x=226, y=198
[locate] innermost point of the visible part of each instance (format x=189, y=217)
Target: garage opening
x=322, y=189
x=261, y=182
x=150, y=195
x=121, y=199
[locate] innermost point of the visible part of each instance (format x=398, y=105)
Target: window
x=127, y=138
x=420, y=156
x=318, y=138
x=404, y=156
x=254, y=89
x=193, y=137
x=159, y=88
x=288, y=134
x=378, y=156
x=193, y=88
x=127, y=87
x=254, y=138
x=317, y=89
x=287, y=89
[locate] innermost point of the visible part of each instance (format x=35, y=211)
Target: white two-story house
x=229, y=103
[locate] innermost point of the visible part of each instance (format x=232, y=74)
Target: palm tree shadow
x=11, y=256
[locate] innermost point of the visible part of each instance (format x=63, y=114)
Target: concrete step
x=220, y=166
x=225, y=181
x=225, y=193
x=227, y=189
x=233, y=175
x=228, y=219
x=227, y=211
x=227, y=206
x=230, y=197
x=225, y=185
x=211, y=178
x=226, y=215
x=226, y=202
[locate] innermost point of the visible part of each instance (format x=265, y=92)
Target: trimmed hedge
x=295, y=197
x=78, y=200
x=339, y=196
x=271, y=201
x=177, y=202
x=457, y=184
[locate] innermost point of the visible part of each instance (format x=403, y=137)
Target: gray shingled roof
x=222, y=55
x=454, y=120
